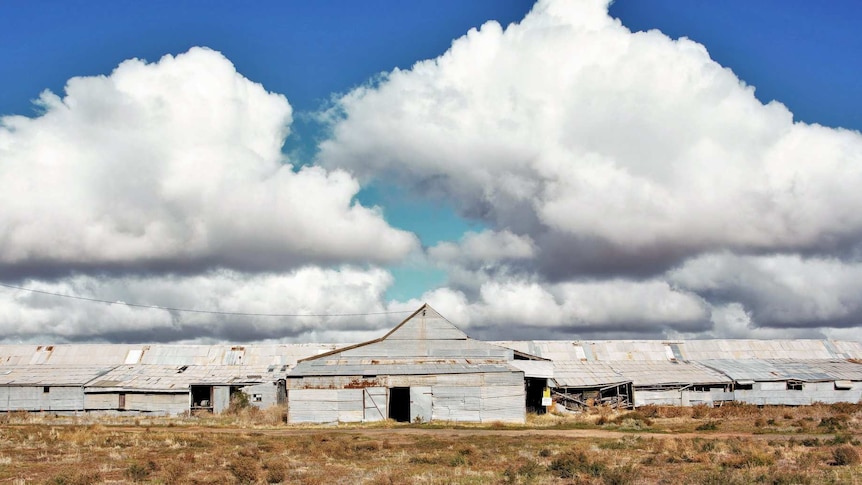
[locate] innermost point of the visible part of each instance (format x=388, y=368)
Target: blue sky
x=318, y=54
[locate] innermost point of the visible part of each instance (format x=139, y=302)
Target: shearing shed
x=424, y=369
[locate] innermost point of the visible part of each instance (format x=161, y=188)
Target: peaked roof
x=424, y=343
x=423, y=324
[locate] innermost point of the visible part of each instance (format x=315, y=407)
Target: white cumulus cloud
x=615, y=152
x=629, y=183
x=29, y=316
x=174, y=164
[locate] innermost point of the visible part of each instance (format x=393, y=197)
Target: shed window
x=794, y=386
x=46, y=389
x=744, y=385
x=257, y=397
x=843, y=385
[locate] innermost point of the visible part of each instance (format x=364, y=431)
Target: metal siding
x=503, y=403
x=694, y=398
x=267, y=391
x=665, y=398
x=457, y=404
x=221, y=398
x=375, y=404
x=98, y=402
x=312, y=406
x=64, y=399
x=428, y=324
x=420, y=404
x=33, y=398
x=162, y=403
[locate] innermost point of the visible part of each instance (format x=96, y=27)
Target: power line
x=210, y=312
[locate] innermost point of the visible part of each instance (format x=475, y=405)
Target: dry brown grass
x=257, y=447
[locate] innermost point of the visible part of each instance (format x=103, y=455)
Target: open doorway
x=399, y=404
x=202, y=398
x=534, y=390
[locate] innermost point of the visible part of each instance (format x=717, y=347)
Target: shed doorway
x=399, y=404
x=202, y=398
x=534, y=389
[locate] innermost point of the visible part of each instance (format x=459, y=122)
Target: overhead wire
x=209, y=312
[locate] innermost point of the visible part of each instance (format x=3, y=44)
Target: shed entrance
x=202, y=398
x=534, y=390
x=399, y=404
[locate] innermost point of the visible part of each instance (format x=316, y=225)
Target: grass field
x=734, y=444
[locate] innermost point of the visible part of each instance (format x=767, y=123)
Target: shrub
x=700, y=411
x=834, y=423
x=238, y=401
x=708, y=426
x=276, y=471
x=81, y=478
x=845, y=455
x=527, y=472
x=459, y=460
x=174, y=471
x=619, y=476
x=244, y=469
x=569, y=464
x=137, y=472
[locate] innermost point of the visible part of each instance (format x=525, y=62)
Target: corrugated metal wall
x=35, y=398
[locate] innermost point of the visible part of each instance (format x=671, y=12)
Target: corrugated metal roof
x=662, y=350
x=653, y=373
x=159, y=354
x=352, y=368
x=423, y=344
x=577, y=373
x=166, y=378
x=535, y=368
x=48, y=375
x=758, y=349
x=783, y=369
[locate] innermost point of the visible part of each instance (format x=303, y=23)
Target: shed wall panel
x=262, y=396
x=33, y=398
x=420, y=404
x=457, y=404
x=671, y=397
x=325, y=405
x=503, y=403
x=170, y=404
x=221, y=399
x=375, y=403
x=100, y=402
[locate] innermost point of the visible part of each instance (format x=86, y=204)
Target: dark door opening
x=202, y=398
x=534, y=391
x=399, y=404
